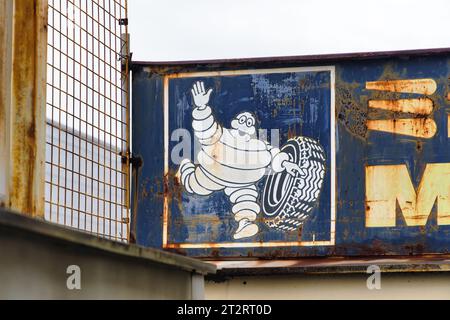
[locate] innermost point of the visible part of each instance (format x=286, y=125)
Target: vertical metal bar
x=106, y=177
x=114, y=88
x=80, y=104
x=52, y=114
x=93, y=99
x=27, y=108
x=125, y=50
x=113, y=26
x=58, y=207
x=6, y=32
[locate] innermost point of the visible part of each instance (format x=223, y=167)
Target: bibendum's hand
x=200, y=95
x=292, y=168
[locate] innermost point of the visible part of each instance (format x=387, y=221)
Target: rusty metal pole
x=125, y=59
x=6, y=14
x=23, y=106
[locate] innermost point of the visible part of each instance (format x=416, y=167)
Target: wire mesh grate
x=86, y=184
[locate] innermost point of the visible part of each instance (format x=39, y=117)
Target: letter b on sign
x=74, y=280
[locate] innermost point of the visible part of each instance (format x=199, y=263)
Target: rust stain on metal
x=171, y=191
x=421, y=106
x=421, y=86
x=177, y=188
x=211, y=223
x=420, y=128
x=440, y=261
x=256, y=244
x=351, y=114
x=28, y=107
x=165, y=210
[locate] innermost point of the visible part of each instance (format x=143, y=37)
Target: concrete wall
x=37, y=270
x=413, y=285
x=34, y=258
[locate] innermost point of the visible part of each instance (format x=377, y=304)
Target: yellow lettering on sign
x=387, y=184
x=417, y=127
x=422, y=106
x=421, y=86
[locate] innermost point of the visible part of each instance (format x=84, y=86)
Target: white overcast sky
x=201, y=29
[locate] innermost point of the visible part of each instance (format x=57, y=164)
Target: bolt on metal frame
x=87, y=138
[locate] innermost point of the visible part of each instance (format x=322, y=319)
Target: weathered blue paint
x=297, y=103
x=146, y=123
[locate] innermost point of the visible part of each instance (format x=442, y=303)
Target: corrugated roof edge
x=10, y=219
x=301, y=59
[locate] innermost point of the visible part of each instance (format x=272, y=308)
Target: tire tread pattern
x=305, y=191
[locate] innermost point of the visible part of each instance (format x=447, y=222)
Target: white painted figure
x=232, y=160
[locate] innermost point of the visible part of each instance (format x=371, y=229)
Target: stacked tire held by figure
x=287, y=201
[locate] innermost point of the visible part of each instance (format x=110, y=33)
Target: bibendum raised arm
x=206, y=129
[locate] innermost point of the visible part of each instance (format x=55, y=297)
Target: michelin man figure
x=230, y=160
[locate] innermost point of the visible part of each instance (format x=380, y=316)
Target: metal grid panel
x=86, y=185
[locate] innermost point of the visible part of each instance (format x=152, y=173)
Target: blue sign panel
x=291, y=159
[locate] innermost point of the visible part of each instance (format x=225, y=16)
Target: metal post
x=6, y=14
x=23, y=104
x=125, y=60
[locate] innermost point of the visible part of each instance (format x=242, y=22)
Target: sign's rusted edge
x=327, y=265
x=298, y=59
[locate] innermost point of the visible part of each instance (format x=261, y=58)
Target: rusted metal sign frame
x=174, y=69
x=24, y=44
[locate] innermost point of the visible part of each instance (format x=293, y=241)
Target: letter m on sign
x=387, y=185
